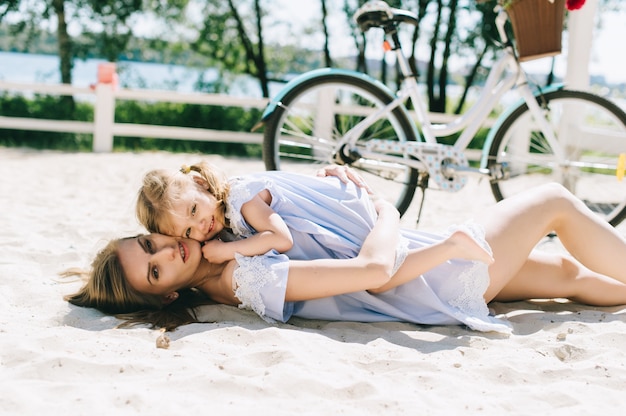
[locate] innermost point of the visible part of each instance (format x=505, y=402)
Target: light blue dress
x=329, y=219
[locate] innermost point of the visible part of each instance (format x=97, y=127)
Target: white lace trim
x=474, y=282
x=238, y=193
x=249, y=278
x=474, y=279
x=401, y=252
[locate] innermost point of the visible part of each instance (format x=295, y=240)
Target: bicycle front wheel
x=305, y=129
x=590, y=130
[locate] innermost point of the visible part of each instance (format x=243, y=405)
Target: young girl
x=301, y=216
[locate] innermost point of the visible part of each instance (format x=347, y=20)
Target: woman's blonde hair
x=161, y=189
x=107, y=290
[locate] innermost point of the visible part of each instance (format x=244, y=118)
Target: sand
x=57, y=209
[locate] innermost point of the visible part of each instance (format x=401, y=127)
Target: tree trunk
x=550, y=77
x=430, y=73
x=327, y=60
x=469, y=79
x=64, y=41
x=65, y=53
x=421, y=12
x=443, y=72
x=253, y=59
x=260, y=57
x=357, y=36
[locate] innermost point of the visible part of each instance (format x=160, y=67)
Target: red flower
x=574, y=4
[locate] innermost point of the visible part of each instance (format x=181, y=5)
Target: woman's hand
x=345, y=175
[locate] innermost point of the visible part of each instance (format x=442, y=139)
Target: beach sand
x=57, y=209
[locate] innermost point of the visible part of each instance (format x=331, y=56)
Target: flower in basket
x=574, y=4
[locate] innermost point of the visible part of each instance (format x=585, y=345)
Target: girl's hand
x=345, y=175
x=216, y=252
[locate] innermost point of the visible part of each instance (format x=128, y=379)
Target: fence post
x=104, y=108
x=580, y=43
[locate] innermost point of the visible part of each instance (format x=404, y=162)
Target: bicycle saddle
x=380, y=14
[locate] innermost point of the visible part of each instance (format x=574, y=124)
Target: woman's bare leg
x=515, y=225
x=546, y=275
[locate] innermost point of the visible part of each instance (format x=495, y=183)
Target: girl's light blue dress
x=329, y=219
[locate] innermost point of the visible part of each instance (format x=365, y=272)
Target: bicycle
x=554, y=134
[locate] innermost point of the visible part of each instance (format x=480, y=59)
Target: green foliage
x=15, y=38
x=7, y=6
x=44, y=107
x=477, y=142
x=167, y=114
x=187, y=115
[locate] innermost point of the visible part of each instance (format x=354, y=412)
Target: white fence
x=104, y=127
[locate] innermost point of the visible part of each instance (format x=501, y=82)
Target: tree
x=255, y=58
x=437, y=97
x=7, y=6
x=421, y=12
x=480, y=41
x=104, y=27
x=360, y=41
x=233, y=39
x=441, y=46
x=64, y=41
x=327, y=60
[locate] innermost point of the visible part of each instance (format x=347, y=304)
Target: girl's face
x=197, y=215
x=157, y=264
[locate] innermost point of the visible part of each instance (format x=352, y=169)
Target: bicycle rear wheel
x=304, y=131
x=591, y=131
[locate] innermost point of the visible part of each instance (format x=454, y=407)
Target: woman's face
x=196, y=215
x=157, y=264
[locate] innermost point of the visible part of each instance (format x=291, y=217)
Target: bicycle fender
x=505, y=114
x=307, y=76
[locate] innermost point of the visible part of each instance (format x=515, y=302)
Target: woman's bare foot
x=465, y=247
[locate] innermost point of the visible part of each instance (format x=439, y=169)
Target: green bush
x=45, y=107
x=165, y=114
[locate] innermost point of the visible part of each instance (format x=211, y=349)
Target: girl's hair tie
x=185, y=169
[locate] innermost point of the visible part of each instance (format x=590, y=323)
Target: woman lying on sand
x=150, y=277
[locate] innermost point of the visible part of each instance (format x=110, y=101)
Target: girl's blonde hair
x=161, y=189
x=107, y=289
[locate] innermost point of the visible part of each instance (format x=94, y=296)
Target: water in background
x=36, y=68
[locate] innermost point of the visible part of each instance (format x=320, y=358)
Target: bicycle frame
x=497, y=84
x=504, y=75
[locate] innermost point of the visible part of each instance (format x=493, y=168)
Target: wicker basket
x=537, y=27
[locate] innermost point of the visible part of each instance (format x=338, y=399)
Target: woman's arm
x=313, y=279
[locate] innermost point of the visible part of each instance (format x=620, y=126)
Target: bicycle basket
x=537, y=27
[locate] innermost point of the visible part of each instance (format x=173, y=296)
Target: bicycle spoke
x=591, y=134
